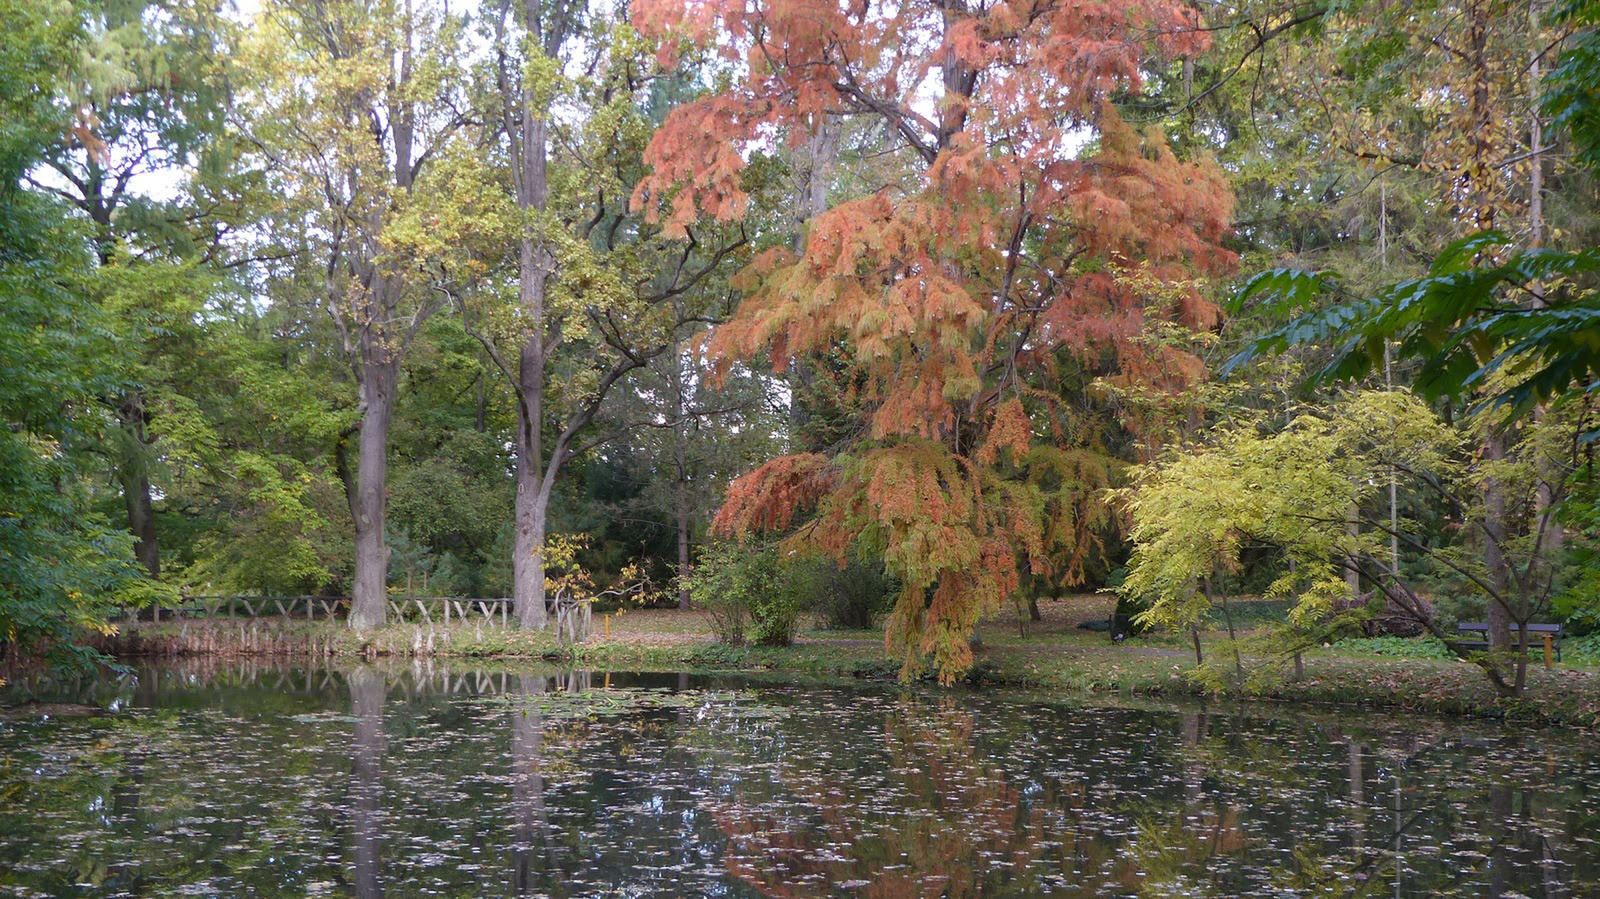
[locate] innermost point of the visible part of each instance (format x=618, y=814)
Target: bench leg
x=1547, y=651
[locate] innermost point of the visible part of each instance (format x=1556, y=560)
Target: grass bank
x=1568, y=696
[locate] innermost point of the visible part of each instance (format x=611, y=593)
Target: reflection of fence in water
x=409, y=682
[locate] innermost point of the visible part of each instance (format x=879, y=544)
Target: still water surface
x=448, y=781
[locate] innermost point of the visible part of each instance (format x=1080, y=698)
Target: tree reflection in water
x=254, y=780
x=367, y=697
x=532, y=853
x=535, y=852
x=962, y=827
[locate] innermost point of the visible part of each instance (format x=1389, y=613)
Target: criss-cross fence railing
x=495, y=611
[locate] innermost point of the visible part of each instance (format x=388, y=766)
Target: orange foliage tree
x=1034, y=230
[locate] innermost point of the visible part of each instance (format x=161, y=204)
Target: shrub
x=1401, y=647
x=1126, y=615
x=775, y=604
x=756, y=594
x=740, y=587
x=1578, y=611
x=848, y=597
x=1584, y=649
x=712, y=586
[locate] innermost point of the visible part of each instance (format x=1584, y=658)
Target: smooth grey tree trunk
x=527, y=567
x=369, y=504
x=538, y=466
x=378, y=342
x=1549, y=474
x=528, y=132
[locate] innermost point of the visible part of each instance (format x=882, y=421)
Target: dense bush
x=717, y=586
x=848, y=597
x=744, y=590
x=1583, y=650
x=755, y=593
x=1577, y=612
x=1126, y=615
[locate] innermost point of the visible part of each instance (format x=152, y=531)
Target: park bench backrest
x=1532, y=628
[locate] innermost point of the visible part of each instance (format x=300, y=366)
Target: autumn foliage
x=1041, y=227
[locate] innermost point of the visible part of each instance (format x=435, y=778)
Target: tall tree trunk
x=685, y=570
x=532, y=487
x=821, y=153
x=527, y=566
x=680, y=459
x=1494, y=527
x=369, y=603
x=1352, y=577
x=1479, y=179
x=527, y=129
x=380, y=342
x=1549, y=472
x=1388, y=384
x=134, y=473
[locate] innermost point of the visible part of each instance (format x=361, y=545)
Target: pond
x=256, y=780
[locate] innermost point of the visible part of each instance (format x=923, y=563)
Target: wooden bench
x=1548, y=634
